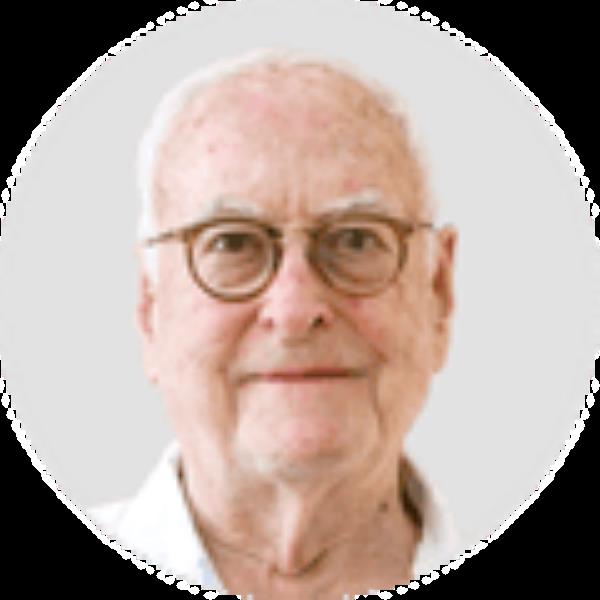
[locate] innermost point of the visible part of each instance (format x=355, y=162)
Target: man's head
x=302, y=378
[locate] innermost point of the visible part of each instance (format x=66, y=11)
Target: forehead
x=286, y=139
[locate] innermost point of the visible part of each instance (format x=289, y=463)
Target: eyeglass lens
x=235, y=258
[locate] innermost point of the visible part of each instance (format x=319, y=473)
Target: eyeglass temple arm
x=165, y=236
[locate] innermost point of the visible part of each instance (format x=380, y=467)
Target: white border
x=434, y=21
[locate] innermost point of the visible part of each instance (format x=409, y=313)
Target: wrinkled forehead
x=296, y=131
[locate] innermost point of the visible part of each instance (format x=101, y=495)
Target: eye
x=232, y=243
x=355, y=239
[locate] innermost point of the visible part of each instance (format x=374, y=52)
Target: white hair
x=171, y=105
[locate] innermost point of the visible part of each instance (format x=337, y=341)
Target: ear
x=146, y=322
x=443, y=291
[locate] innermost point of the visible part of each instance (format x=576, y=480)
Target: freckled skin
x=290, y=143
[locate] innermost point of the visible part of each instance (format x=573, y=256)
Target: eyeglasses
x=235, y=258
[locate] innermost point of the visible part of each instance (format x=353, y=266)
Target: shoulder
x=440, y=542
x=155, y=524
x=109, y=515
x=140, y=513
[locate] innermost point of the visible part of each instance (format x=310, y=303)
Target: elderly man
x=295, y=302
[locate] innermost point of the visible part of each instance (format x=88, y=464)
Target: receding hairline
x=256, y=67
x=270, y=75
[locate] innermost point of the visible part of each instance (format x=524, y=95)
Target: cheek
x=395, y=326
x=398, y=332
x=197, y=335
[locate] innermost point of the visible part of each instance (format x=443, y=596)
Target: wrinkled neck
x=267, y=534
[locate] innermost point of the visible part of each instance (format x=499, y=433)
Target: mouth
x=311, y=375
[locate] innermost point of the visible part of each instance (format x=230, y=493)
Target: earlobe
x=443, y=290
x=145, y=305
x=145, y=317
x=443, y=278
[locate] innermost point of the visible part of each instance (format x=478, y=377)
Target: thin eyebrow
x=228, y=206
x=214, y=210
x=366, y=200
x=335, y=214
x=223, y=208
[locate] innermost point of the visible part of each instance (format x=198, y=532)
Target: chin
x=296, y=469
x=299, y=455
x=302, y=435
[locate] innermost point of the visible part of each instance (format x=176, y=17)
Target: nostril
x=318, y=321
x=294, y=306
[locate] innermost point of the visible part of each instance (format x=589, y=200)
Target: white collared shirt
x=157, y=526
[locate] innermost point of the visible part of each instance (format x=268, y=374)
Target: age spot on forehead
x=304, y=117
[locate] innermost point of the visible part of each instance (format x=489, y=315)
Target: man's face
x=240, y=378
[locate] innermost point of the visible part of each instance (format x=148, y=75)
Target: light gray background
x=522, y=354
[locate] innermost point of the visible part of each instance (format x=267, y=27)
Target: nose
x=295, y=305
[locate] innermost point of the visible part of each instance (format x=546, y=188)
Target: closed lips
x=312, y=374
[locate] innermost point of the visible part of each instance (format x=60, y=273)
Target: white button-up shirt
x=157, y=526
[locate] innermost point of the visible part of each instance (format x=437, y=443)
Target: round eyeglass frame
x=187, y=235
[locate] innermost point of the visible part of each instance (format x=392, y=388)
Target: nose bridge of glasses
x=294, y=238
x=294, y=233
x=294, y=253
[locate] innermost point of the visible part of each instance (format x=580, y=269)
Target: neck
x=303, y=531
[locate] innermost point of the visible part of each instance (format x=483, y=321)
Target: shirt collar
x=157, y=526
